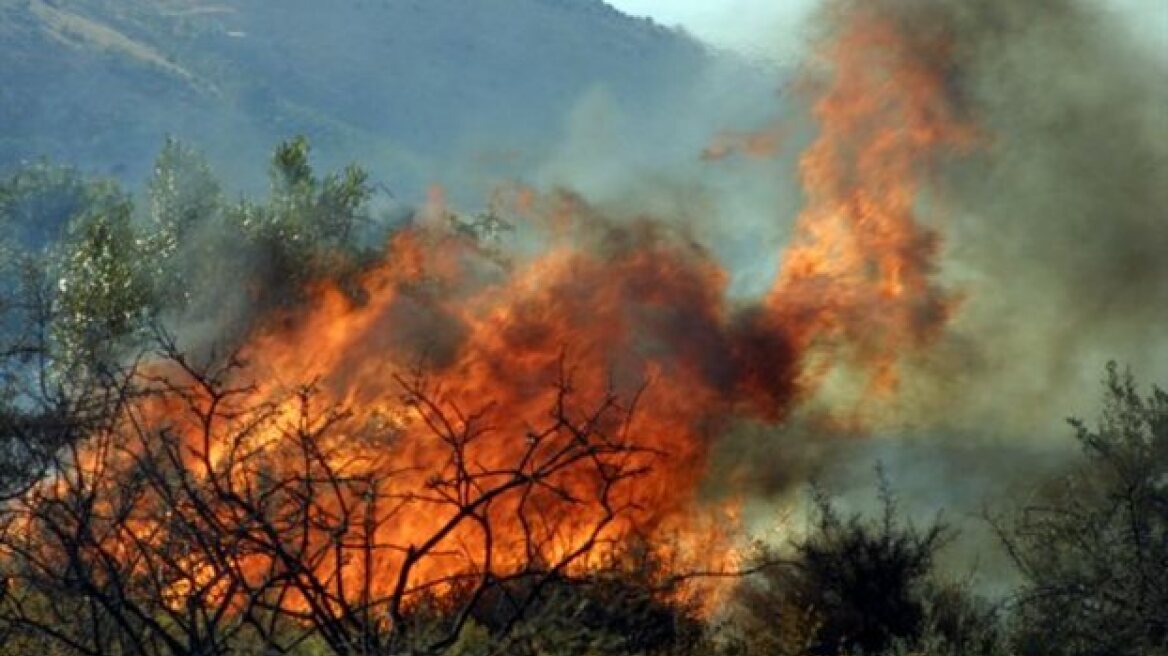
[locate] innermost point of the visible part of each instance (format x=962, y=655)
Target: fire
x=455, y=371
x=636, y=314
x=760, y=144
x=860, y=273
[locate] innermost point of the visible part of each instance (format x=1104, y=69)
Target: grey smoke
x=1056, y=232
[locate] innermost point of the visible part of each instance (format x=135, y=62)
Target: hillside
x=403, y=84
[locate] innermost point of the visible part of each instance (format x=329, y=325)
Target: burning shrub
x=197, y=515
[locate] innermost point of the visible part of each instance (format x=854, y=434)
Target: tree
x=183, y=191
x=84, y=271
x=185, y=200
x=38, y=203
x=307, y=230
x=104, y=291
x=38, y=408
x=1093, y=547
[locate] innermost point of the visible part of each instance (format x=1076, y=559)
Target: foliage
x=182, y=192
x=1093, y=547
x=104, y=293
x=113, y=267
x=307, y=229
x=85, y=273
x=184, y=197
x=857, y=585
x=38, y=204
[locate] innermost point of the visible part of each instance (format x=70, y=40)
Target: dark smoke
x=1056, y=235
x=1058, y=232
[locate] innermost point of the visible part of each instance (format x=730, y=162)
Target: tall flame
x=861, y=269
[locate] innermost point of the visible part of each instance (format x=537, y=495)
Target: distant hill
x=406, y=84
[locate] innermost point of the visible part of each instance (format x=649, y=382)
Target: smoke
x=1054, y=225
x=1051, y=241
x=1061, y=219
x=979, y=227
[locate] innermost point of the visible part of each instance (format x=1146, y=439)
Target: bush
x=855, y=585
x=1093, y=548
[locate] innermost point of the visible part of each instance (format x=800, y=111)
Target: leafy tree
x=74, y=272
x=183, y=226
x=104, y=293
x=307, y=230
x=182, y=191
x=38, y=203
x=81, y=263
x=1093, y=546
x=306, y=213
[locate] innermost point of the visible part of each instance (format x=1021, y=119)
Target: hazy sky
x=757, y=27
x=771, y=28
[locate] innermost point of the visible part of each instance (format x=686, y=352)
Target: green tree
x=38, y=202
x=185, y=206
x=307, y=230
x=308, y=212
x=183, y=192
x=104, y=293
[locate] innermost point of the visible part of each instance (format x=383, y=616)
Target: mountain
x=408, y=85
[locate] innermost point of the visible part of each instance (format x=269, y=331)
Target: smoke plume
x=1054, y=235
x=979, y=226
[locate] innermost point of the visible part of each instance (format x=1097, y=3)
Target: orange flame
x=629, y=303
x=861, y=269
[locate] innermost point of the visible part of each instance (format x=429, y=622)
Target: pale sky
x=757, y=27
x=771, y=28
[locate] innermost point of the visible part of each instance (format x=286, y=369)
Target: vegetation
x=103, y=561
x=100, y=82
x=1093, y=548
x=855, y=585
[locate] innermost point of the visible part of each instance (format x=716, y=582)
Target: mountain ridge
x=100, y=83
